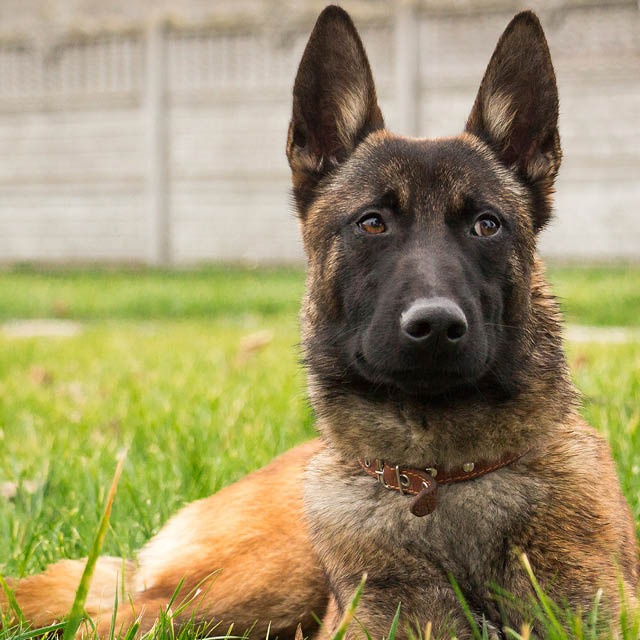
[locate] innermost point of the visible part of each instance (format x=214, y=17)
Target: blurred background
x=154, y=132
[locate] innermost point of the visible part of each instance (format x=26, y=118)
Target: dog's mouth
x=421, y=381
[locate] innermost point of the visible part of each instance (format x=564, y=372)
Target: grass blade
x=37, y=633
x=349, y=614
x=77, y=609
x=394, y=624
x=114, y=615
x=11, y=599
x=132, y=631
x=551, y=619
x=629, y=615
x=475, y=630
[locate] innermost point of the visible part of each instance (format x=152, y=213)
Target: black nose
x=431, y=319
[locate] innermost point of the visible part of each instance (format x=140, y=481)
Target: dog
x=451, y=459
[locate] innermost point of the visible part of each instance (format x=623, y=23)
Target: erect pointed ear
x=334, y=102
x=516, y=110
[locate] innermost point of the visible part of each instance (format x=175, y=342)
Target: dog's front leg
x=432, y=610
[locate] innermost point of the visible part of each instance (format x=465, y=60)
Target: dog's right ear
x=334, y=103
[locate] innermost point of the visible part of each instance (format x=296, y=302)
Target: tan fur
x=499, y=115
x=246, y=548
x=48, y=597
x=349, y=117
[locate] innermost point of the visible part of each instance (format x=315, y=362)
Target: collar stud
x=423, y=484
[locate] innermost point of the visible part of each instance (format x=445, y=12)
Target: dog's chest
x=359, y=526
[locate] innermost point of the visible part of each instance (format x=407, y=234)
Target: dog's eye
x=486, y=225
x=372, y=223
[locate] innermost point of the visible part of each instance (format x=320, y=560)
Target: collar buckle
x=379, y=471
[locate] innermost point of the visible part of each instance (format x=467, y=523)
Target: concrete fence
x=164, y=144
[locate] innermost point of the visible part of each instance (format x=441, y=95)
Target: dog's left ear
x=516, y=110
x=334, y=103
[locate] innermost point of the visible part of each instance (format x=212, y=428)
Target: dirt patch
x=610, y=335
x=41, y=328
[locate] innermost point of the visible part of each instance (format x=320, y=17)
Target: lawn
x=196, y=374
x=596, y=295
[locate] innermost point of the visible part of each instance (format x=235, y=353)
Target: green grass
x=608, y=375
x=139, y=294
x=162, y=367
x=597, y=295
x=589, y=295
x=194, y=412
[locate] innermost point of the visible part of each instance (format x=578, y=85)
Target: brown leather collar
x=423, y=483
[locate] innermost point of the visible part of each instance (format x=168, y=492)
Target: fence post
x=158, y=251
x=407, y=67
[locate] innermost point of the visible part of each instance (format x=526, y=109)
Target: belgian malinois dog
x=451, y=449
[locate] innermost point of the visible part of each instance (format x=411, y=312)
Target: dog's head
x=421, y=252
